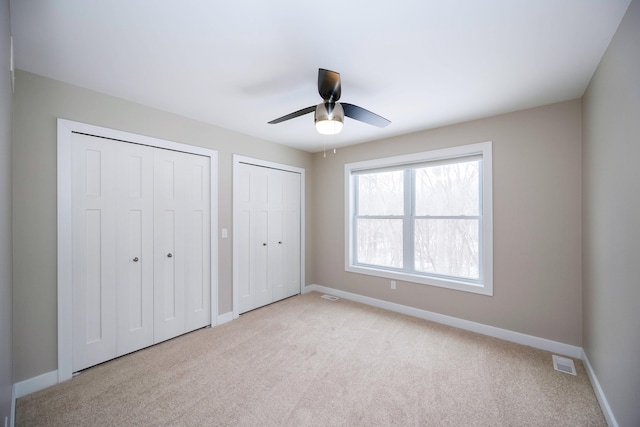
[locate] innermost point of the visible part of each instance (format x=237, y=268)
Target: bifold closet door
x=112, y=249
x=134, y=246
x=94, y=251
x=267, y=209
x=252, y=215
x=141, y=247
x=284, y=214
x=182, y=244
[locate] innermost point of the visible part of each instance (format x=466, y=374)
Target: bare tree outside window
x=444, y=219
x=423, y=217
x=446, y=228
x=380, y=240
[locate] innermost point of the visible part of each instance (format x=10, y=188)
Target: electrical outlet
x=393, y=284
x=6, y=421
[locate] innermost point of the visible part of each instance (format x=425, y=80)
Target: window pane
x=448, y=190
x=381, y=193
x=447, y=246
x=380, y=242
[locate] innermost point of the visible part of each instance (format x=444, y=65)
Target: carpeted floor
x=306, y=361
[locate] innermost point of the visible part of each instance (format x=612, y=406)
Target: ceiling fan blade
x=365, y=116
x=293, y=115
x=329, y=85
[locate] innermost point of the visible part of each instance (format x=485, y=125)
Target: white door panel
x=242, y=246
x=276, y=272
x=94, y=252
x=286, y=211
x=292, y=235
x=260, y=287
x=274, y=229
x=134, y=265
x=249, y=191
x=141, y=239
x=267, y=241
x=169, y=305
x=198, y=242
x=182, y=243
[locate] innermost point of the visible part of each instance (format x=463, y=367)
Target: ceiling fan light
x=329, y=118
x=329, y=127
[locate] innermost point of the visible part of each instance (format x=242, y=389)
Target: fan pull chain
x=324, y=144
x=334, y=143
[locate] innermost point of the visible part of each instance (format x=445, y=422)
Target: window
x=423, y=218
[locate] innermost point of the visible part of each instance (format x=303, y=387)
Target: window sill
x=459, y=285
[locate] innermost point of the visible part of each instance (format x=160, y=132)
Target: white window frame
x=484, y=285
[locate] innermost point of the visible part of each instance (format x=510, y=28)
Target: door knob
x=279, y=243
x=264, y=244
x=169, y=255
x=136, y=259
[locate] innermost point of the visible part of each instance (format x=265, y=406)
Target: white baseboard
x=35, y=384
x=12, y=414
x=29, y=386
x=224, y=318
x=604, y=404
x=492, y=331
x=308, y=288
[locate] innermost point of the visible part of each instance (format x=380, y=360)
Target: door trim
x=237, y=159
x=66, y=128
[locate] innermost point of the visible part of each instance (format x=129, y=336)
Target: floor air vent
x=330, y=297
x=563, y=364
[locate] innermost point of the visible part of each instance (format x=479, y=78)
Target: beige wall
x=6, y=381
x=611, y=226
x=536, y=192
x=38, y=102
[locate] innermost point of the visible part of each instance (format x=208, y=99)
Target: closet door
x=134, y=225
x=291, y=235
x=141, y=247
x=198, y=242
x=275, y=228
x=113, y=249
x=181, y=246
x=252, y=213
x=94, y=251
x=134, y=240
x=284, y=221
x=268, y=235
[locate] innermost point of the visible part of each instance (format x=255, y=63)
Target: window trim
x=483, y=149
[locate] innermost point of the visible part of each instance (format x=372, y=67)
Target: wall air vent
x=563, y=364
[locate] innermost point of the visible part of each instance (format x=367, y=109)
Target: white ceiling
x=239, y=64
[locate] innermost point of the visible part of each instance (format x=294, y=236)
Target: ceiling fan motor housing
x=329, y=118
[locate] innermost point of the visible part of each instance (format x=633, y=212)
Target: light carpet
x=306, y=361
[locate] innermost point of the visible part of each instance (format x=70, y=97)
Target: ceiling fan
x=329, y=114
